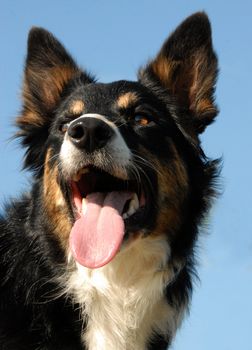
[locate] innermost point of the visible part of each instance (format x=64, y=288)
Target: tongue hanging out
x=97, y=235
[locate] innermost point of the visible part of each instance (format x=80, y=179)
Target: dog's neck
x=124, y=302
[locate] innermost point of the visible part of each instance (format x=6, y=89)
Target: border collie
x=100, y=254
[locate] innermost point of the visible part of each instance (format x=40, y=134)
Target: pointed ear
x=186, y=67
x=48, y=70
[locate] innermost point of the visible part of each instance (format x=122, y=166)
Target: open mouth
x=104, y=207
x=93, y=180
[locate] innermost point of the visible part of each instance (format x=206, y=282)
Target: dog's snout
x=89, y=134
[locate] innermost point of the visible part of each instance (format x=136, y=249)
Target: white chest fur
x=124, y=301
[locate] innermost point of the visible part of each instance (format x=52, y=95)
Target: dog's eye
x=141, y=119
x=63, y=127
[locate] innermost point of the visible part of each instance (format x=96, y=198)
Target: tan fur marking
x=205, y=105
x=51, y=82
x=55, y=79
x=77, y=107
x=30, y=118
x=55, y=203
x=191, y=81
x=164, y=69
x=173, y=185
x=127, y=100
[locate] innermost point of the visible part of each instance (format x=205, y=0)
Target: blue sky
x=112, y=39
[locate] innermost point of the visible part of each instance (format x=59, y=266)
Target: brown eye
x=141, y=119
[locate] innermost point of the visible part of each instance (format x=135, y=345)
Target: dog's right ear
x=49, y=69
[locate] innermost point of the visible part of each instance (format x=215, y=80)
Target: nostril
x=103, y=133
x=77, y=131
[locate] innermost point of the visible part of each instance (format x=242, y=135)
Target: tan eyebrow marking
x=127, y=100
x=77, y=107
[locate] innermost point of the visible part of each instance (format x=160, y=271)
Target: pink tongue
x=97, y=235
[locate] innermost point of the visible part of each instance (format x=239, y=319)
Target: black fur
x=34, y=312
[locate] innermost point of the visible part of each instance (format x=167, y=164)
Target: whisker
x=137, y=176
x=140, y=160
x=48, y=160
x=122, y=124
x=147, y=178
x=137, y=170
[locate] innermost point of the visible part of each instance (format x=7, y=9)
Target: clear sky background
x=112, y=39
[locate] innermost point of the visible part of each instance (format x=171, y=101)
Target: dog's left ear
x=186, y=67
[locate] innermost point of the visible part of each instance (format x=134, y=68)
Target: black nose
x=89, y=133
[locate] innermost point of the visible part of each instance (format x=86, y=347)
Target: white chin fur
x=124, y=301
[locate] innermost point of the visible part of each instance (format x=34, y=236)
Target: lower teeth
x=84, y=205
x=133, y=206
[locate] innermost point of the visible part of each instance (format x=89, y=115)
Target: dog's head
x=119, y=161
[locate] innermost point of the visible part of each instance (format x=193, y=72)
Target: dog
x=100, y=254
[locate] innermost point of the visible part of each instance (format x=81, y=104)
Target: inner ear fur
x=186, y=67
x=48, y=70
